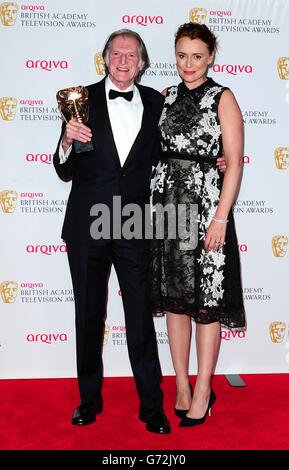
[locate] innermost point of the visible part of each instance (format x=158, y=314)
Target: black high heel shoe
x=182, y=413
x=186, y=421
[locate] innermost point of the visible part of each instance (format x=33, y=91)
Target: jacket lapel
x=144, y=129
x=99, y=120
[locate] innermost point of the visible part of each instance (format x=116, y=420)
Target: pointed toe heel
x=188, y=422
x=182, y=413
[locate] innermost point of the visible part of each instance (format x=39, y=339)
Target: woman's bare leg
x=208, y=339
x=179, y=332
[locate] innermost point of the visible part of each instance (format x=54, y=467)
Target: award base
x=81, y=147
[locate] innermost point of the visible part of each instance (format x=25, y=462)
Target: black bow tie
x=115, y=94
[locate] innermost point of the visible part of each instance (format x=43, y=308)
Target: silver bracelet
x=221, y=221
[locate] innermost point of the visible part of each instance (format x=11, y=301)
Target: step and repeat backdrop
x=49, y=45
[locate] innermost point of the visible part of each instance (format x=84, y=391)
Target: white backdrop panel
x=50, y=45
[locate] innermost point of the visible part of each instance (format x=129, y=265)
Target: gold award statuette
x=73, y=103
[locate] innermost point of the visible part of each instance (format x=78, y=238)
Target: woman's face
x=193, y=58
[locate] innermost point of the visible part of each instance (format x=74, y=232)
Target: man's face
x=124, y=61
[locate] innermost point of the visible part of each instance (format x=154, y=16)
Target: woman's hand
x=215, y=237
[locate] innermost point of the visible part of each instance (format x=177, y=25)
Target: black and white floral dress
x=186, y=278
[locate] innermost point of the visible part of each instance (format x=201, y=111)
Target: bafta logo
x=279, y=245
x=281, y=156
x=106, y=334
x=99, y=64
x=8, y=107
x=277, y=331
x=73, y=103
x=8, y=200
x=198, y=15
x=8, y=291
x=283, y=68
x=8, y=13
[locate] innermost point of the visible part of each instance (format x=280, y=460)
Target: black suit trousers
x=90, y=268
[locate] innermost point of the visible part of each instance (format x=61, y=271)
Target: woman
x=198, y=279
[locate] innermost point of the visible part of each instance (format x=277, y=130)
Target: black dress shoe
x=86, y=413
x=156, y=420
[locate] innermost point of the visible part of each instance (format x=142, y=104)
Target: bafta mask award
x=73, y=103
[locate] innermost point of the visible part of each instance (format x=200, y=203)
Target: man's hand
x=75, y=131
x=221, y=164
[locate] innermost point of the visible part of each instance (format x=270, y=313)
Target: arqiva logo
x=227, y=335
x=47, y=338
x=39, y=158
x=47, y=65
x=118, y=328
x=31, y=195
x=45, y=249
x=32, y=102
x=31, y=285
x=33, y=7
x=220, y=12
x=143, y=20
x=233, y=69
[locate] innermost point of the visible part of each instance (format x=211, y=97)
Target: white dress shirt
x=125, y=119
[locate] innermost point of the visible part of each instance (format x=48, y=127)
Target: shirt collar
x=109, y=85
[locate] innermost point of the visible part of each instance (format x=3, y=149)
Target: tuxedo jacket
x=97, y=175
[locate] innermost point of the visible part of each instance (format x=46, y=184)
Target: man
x=123, y=130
